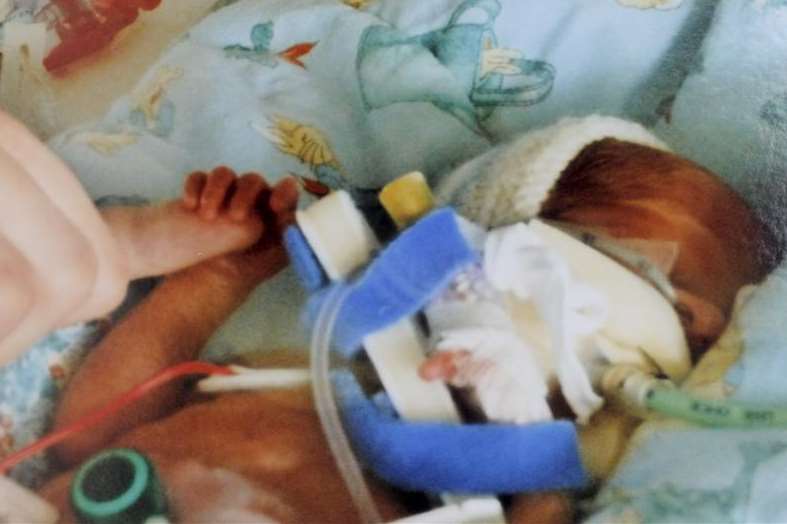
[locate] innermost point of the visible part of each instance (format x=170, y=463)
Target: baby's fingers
x=248, y=189
x=285, y=195
x=442, y=365
x=192, y=190
x=284, y=200
x=215, y=193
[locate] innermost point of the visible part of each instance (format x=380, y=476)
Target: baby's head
x=630, y=191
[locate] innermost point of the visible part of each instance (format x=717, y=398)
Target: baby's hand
x=507, y=396
x=508, y=390
x=219, y=213
x=222, y=195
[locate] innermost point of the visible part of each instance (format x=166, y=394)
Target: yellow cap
x=407, y=199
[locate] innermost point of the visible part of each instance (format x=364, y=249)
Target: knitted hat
x=510, y=182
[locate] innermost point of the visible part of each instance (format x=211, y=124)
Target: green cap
x=117, y=486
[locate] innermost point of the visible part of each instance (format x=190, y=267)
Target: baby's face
x=631, y=191
x=705, y=278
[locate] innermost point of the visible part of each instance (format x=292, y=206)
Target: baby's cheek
x=702, y=320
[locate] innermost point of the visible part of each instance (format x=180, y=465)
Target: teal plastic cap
x=117, y=486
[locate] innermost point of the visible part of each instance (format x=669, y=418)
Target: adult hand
x=58, y=261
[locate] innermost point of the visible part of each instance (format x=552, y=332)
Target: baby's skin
x=236, y=457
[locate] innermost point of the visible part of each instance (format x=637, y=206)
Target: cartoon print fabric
x=742, y=487
x=389, y=86
x=30, y=387
x=731, y=112
x=261, y=36
x=479, y=75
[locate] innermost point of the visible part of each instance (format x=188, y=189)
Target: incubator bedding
x=350, y=95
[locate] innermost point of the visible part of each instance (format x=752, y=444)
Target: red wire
x=113, y=406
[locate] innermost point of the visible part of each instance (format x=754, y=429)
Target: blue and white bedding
x=675, y=472
x=351, y=94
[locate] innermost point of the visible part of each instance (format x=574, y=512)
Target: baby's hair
x=630, y=189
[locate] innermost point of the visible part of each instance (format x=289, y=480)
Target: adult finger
x=55, y=180
x=18, y=290
x=61, y=259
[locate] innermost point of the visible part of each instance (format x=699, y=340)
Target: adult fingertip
x=285, y=195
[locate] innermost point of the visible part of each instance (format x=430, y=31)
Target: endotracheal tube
x=639, y=391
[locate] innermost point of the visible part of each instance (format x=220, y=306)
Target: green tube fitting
x=117, y=486
x=678, y=404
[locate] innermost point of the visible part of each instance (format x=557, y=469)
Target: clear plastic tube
x=327, y=410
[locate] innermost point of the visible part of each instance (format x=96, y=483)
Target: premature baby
x=246, y=456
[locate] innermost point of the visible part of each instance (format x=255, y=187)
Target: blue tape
x=460, y=458
x=402, y=280
x=303, y=260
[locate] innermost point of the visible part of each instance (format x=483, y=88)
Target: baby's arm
x=175, y=321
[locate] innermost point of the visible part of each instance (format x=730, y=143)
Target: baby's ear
x=662, y=253
x=702, y=320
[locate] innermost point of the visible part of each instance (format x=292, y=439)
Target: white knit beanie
x=510, y=182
